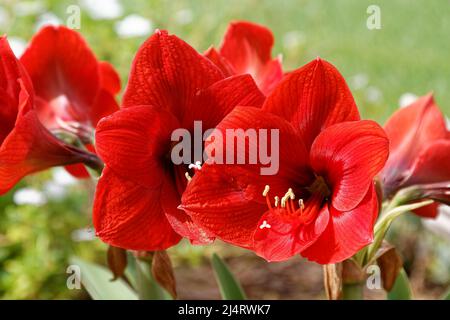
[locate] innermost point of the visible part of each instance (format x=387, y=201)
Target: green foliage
x=401, y=289
x=229, y=286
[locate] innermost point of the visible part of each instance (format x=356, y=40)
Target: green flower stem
x=352, y=291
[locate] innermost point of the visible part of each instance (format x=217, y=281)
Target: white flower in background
x=17, y=45
x=86, y=234
x=45, y=19
x=103, y=9
x=55, y=191
x=184, y=16
x=28, y=8
x=359, y=81
x=373, y=94
x=29, y=196
x=63, y=178
x=4, y=18
x=134, y=26
x=440, y=225
x=293, y=39
x=406, y=99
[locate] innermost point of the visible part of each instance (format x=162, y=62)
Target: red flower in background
x=170, y=86
x=26, y=146
x=73, y=89
x=326, y=204
x=419, y=149
x=247, y=48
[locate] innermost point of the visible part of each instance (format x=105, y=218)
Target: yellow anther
x=277, y=199
x=188, y=177
x=266, y=191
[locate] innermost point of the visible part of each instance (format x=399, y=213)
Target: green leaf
x=97, y=282
x=230, y=288
x=401, y=289
x=146, y=285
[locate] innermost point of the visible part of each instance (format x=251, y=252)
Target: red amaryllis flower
x=26, y=146
x=73, y=89
x=247, y=48
x=325, y=204
x=419, y=149
x=170, y=87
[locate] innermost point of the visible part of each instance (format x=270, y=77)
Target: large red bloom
x=170, y=86
x=326, y=204
x=26, y=146
x=73, y=89
x=247, y=48
x=419, y=149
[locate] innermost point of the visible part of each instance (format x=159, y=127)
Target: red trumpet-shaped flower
x=26, y=146
x=419, y=149
x=322, y=203
x=170, y=87
x=247, y=48
x=73, y=89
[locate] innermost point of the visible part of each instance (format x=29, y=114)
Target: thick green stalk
x=353, y=291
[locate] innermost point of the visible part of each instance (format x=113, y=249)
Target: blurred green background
x=408, y=56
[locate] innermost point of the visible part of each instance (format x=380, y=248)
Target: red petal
x=133, y=142
x=410, y=131
x=430, y=211
x=432, y=165
x=285, y=237
x=30, y=148
x=109, y=78
x=61, y=64
x=247, y=47
x=105, y=104
x=347, y=232
x=219, y=99
x=349, y=155
x=11, y=71
x=313, y=98
x=225, y=199
x=220, y=62
x=178, y=219
x=78, y=171
x=167, y=73
x=129, y=216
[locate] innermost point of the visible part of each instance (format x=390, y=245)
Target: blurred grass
x=409, y=54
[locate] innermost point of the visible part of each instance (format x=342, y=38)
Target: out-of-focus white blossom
x=46, y=19
x=18, y=45
x=29, y=8
x=359, y=81
x=86, y=234
x=29, y=196
x=103, y=9
x=63, y=178
x=134, y=26
x=406, y=99
x=293, y=39
x=373, y=94
x=440, y=225
x=184, y=16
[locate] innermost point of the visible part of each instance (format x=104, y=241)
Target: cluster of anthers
x=287, y=206
x=196, y=166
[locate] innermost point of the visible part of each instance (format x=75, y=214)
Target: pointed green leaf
x=401, y=289
x=147, y=287
x=230, y=288
x=97, y=282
